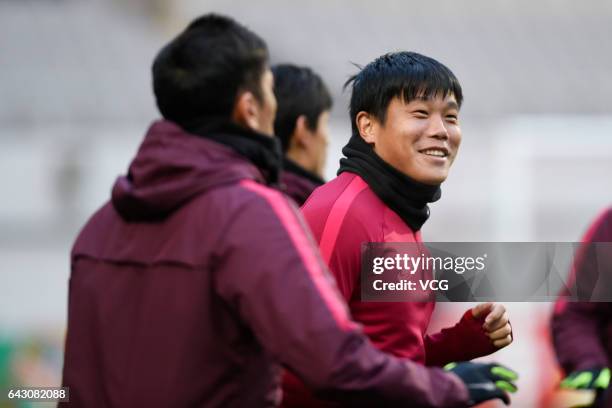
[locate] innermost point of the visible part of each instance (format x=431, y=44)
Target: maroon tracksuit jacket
x=210, y=285
x=298, y=183
x=582, y=331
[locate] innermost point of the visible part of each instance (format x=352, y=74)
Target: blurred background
x=76, y=99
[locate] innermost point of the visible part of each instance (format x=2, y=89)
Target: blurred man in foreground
x=301, y=124
x=196, y=280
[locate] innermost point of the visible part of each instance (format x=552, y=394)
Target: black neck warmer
x=292, y=167
x=261, y=150
x=407, y=197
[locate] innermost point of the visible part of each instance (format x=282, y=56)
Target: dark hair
x=200, y=72
x=401, y=74
x=299, y=91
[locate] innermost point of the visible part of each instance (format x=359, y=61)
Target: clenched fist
x=496, y=323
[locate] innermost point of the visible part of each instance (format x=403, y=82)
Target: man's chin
x=431, y=178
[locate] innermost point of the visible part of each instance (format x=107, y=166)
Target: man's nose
x=437, y=128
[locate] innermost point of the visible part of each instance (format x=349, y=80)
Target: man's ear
x=246, y=110
x=302, y=135
x=366, y=125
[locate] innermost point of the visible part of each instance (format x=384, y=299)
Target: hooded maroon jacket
x=212, y=283
x=582, y=331
x=343, y=214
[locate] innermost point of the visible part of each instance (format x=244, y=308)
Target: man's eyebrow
x=452, y=105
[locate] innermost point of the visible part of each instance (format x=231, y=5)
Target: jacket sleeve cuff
x=474, y=339
x=463, y=342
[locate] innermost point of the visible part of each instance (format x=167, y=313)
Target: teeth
x=435, y=152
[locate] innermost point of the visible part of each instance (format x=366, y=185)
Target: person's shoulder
x=601, y=229
x=297, y=187
x=367, y=206
x=103, y=220
x=348, y=202
x=252, y=196
x=245, y=202
x=347, y=188
x=606, y=215
x=237, y=193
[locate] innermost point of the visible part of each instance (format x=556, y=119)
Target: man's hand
x=593, y=379
x=596, y=379
x=485, y=381
x=496, y=323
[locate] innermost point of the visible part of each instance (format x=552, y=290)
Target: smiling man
x=405, y=136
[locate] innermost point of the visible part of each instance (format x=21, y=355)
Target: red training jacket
x=343, y=214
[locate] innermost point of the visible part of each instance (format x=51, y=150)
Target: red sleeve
x=463, y=342
x=577, y=326
x=269, y=271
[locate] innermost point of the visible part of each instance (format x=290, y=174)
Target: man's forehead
x=447, y=99
x=436, y=95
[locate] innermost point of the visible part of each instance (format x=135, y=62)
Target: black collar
x=261, y=150
x=292, y=167
x=407, y=197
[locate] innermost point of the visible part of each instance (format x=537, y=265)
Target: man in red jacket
x=197, y=280
x=301, y=124
x=405, y=135
x=581, y=331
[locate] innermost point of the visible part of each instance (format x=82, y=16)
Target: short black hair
x=298, y=91
x=201, y=71
x=404, y=74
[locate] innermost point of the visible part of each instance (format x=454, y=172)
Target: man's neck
x=301, y=159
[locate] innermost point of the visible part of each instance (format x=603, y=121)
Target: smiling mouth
x=435, y=152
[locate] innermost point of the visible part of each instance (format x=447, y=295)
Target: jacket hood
x=173, y=166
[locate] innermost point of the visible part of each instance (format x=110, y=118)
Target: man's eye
x=452, y=117
x=420, y=113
